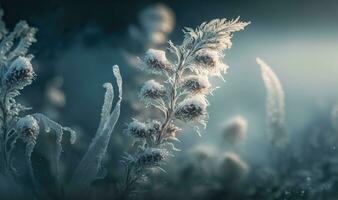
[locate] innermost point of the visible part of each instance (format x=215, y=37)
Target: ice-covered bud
x=137, y=129
x=154, y=127
x=19, y=74
x=29, y=128
x=210, y=62
x=151, y=157
x=192, y=109
x=155, y=62
x=197, y=84
x=232, y=168
x=235, y=130
x=152, y=90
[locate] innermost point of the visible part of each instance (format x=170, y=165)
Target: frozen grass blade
x=87, y=170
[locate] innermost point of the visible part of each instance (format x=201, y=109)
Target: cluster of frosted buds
x=210, y=62
x=152, y=90
x=235, y=129
x=155, y=61
x=137, y=129
x=197, y=84
x=143, y=130
x=29, y=128
x=151, y=157
x=192, y=109
x=19, y=74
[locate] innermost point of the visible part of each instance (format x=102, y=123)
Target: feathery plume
x=274, y=104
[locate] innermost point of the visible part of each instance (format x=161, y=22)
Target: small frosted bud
x=192, y=109
x=232, y=168
x=155, y=62
x=151, y=157
x=154, y=127
x=209, y=61
x=152, y=90
x=29, y=128
x=137, y=129
x=197, y=84
x=20, y=73
x=235, y=130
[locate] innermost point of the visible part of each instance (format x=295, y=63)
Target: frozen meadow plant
x=179, y=93
x=274, y=105
x=16, y=73
x=235, y=130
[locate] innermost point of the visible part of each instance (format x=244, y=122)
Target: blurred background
x=79, y=41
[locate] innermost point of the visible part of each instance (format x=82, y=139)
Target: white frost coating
x=275, y=104
x=155, y=62
x=87, y=171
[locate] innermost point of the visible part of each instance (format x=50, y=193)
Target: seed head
x=152, y=90
x=155, y=62
x=137, y=129
x=197, y=84
x=20, y=73
x=210, y=62
x=29, y=128
x=151, y=157
x=192, y=109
